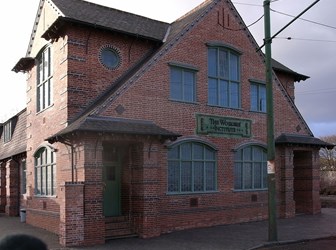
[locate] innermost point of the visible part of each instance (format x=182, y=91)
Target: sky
x=310, y=51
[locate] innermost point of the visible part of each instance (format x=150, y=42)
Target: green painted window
x=250, y=170
x=182, y=84
x=44, y=80
x=223, y=78
x=45, y=172
x=192, y=168
x=258, y=97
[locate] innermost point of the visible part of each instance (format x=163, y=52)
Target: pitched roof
x=294, y=139
x=277, y=66
x=115, y=125
x=89, y=14
x=99, y=16
x=18, y=142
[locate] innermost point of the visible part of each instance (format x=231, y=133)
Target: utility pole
x=272, y=220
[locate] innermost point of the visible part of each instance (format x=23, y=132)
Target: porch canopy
x=104, y=124
x=302, y=140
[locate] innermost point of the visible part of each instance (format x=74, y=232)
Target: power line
x=303, y=19
x=244, y=27
x=307, y=39
x=248, y=4
x=319, y=91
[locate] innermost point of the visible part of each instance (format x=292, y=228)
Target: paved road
x=229, y=237
x=325, y=244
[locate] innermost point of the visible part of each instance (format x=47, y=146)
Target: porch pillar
x=2, y=187
x=12, y=188
x=316, y=168
x=287, y=203
x=146, y=189
x=71, y=231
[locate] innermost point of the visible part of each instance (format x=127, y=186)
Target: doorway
x=303, y=182
x=111, y=180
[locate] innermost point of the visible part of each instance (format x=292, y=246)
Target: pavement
x=246, y=236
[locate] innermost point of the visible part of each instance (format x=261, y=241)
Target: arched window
x=223, y=76
x=250, y=171
x=45, y=172
x=192, y=167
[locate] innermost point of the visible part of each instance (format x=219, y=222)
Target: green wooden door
x=112, y=189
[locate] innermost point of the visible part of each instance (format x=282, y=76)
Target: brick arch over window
x=45, y=170
x=250, y=167
x=192, y=167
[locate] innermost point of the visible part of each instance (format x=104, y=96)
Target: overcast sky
x=311, y=51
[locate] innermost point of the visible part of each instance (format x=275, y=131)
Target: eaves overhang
x=24, y=64
x=53, y=32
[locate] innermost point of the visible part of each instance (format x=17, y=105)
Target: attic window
x=110, y=57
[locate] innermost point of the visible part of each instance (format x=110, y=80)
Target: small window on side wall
x=258, y=97
x=182, y=84
x=7, y=132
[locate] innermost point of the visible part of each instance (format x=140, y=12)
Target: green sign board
x=223, y=126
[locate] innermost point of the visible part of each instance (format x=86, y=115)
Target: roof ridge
x=192, y=11
x=119, y=10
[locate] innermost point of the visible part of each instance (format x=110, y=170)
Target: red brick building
x=140, y=127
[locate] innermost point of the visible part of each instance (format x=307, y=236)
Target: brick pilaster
x=71, y=231
x=2, y=187
x=12, y=188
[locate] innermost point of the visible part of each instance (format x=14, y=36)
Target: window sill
x=224, y=107
x=249, y=190
x=41, y=111
x=45, y=196
x=258, y=112
x=183, y=102
x=191, y=193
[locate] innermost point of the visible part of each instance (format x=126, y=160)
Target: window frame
x=183, y=69
x=23, y=182
x=106, y=54
x=253, y=164
x=205, y=163
x=45, y=165
x=44, y=81
x=220, y=81
x=7, y=131
x=260, y=107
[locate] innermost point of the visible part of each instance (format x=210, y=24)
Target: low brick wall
x=328, y=201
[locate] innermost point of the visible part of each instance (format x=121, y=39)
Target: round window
x=110, y=58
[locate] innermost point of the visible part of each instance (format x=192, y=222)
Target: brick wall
x=79, y=78
x=2, y=187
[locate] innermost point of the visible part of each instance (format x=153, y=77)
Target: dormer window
x=44, y=80
x=7, y=131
